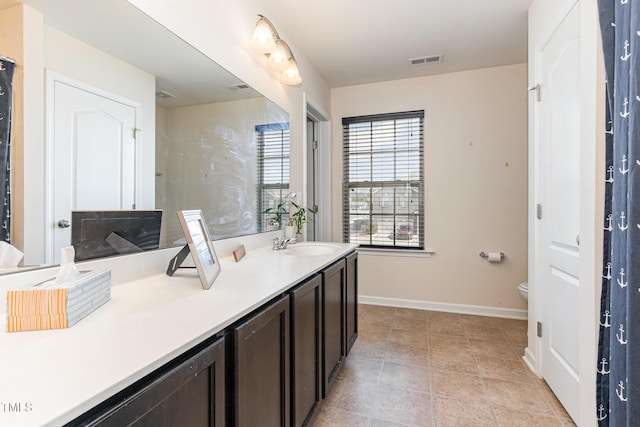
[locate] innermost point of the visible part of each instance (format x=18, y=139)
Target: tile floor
x=421, y=368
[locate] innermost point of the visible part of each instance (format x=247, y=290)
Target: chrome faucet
x=281, y=243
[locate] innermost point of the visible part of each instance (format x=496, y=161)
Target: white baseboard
x=529, y=360
x=508, y=313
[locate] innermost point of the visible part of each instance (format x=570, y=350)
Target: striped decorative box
x=51, y=306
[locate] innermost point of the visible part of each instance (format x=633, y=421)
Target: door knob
x=63, y=223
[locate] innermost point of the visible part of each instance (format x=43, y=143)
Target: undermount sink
x=311, y=249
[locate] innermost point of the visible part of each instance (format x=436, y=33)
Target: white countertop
x=51, y=377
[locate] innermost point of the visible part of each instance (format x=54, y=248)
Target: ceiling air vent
x=240, y=86
x=423, y=60
x=164, y=94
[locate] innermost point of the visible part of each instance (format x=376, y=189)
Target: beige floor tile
x=379, y=332
x=506, y=369
x=406, y=377
x=333, y=417
x=501, y=350
x=519, y=348
x=450, y=343
x=380, y=310
x=484, y=332
x=369, y=347
x=567, y=421
x=415, y=339
x=551, y=398
x=447, y=361
x=463, y=387
x=380, y=320
x=514, y=330
x=353, y=396
x=411, y=314
x=525, y=397
x=468, y=319
x=411, y=325
x=404, y=361
x=446, y=327
x=443, y=315
x=407, y=355
x=456, y=413
x=383, y=423
x=510, y=418
x=402, y=406
x=361, y=368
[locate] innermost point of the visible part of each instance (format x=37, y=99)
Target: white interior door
x=94, y=155
x=560, y=139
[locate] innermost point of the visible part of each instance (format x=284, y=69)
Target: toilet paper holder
x=485, y=255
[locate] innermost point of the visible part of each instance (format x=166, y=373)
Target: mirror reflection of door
x=93, y=146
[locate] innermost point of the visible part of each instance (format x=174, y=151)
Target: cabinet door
x=262, y=348
x=352, y=300
x=333, y=316
x=191, y=393
x=306, y=368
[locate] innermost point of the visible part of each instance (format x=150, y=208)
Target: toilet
x=523, y=288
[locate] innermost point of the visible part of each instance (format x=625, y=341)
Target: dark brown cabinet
x=190, y=392
x=306, y=344
x=352, y=300
x=333, y=320
x=261, y=381
x=271, y=368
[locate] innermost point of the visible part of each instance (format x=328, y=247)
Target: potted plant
x=277, y=213
x=299, y=218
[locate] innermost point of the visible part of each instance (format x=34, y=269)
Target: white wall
x=476, y=186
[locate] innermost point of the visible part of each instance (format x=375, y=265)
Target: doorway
x=318, y=172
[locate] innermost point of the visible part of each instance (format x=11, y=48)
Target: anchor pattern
x=617, y=365
x=7, y=68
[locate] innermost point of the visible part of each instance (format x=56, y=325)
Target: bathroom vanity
x=261, y=347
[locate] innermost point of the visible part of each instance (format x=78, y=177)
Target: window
x=383, y=180
x=273, y=169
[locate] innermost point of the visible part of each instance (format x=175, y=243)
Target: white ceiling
x=354, y=42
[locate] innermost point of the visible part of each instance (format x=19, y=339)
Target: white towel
x=10, y=256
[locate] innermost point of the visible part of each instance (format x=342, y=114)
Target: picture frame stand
x=176, y=261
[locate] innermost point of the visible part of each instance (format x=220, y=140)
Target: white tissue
x=9, y=255
x=494, y=257
x=68, y=270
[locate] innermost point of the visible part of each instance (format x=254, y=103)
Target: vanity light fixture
x=265, y=40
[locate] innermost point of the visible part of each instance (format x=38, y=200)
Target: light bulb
x=291, y=75
x=278, y=57
x=262, y=38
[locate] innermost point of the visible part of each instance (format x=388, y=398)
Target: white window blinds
x=383, y=180
x=273, y=169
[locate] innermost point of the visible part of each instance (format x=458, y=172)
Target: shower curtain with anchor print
x=7, y=67
x=618, y=364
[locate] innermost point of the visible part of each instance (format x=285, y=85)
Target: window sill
x=406, y=253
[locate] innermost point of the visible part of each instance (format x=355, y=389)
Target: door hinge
x=539, y=211
x=315, y=208
x=539, y=329
x=537, y=89
x=133, y=206
x=314, y=145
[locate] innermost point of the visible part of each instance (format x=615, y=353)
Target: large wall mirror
x=202, y=138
